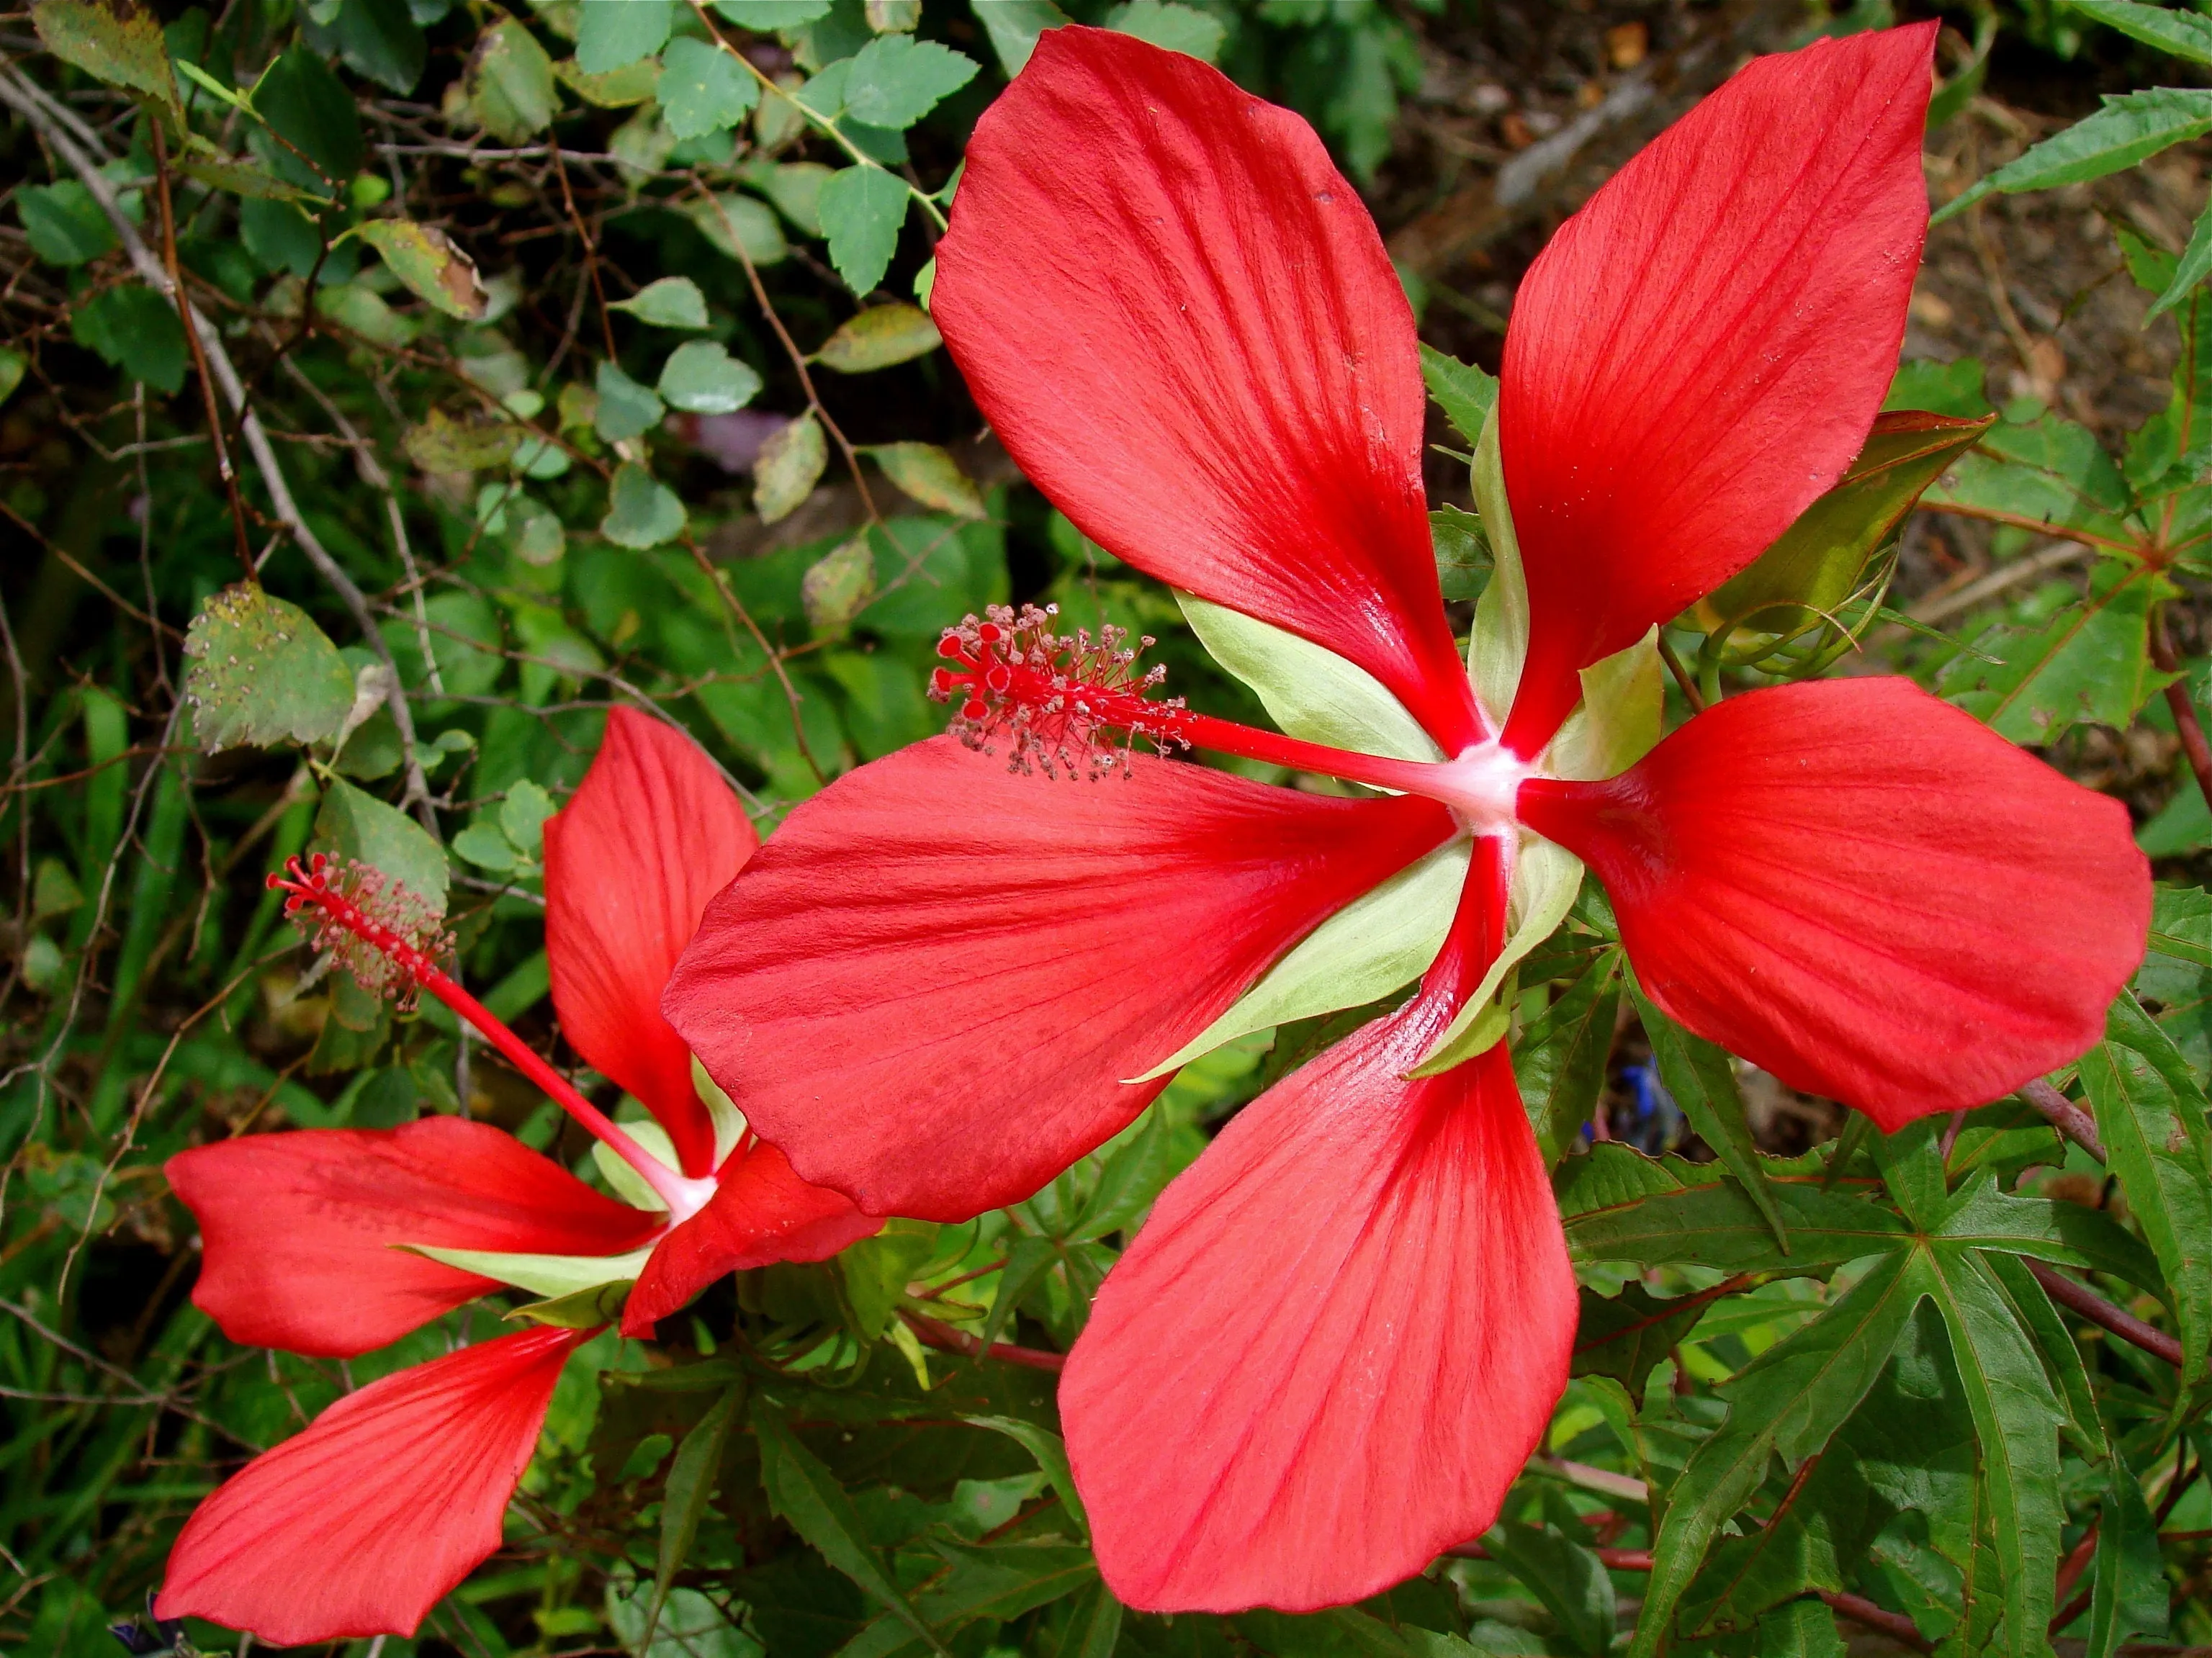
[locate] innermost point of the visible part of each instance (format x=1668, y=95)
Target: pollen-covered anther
x=383, y=934
x=1061, y=703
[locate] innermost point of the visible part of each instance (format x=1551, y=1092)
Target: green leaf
x=557, y=1277
x=1718, y=1226
x=118, y=41
x=2089, y=664
x=984, y=1581
x=613, y=32
x=1702, y=1078
x=2055, y=1344
x=768, y=14
x=1384, y=939
x=1808, y=1545
x=1624, y=1336
x=1461, y=550
x=1093, y=1626
x=702, y=88
x=1546, y=880
x=483, y=845
x=307, y=105
x=618, y=88
x=730, y=220
x=878, y=338
x=931, y=477
x=895, y=80
x=510, y=83
x=2151, y=1116
x=1788, y=1403
x=807, y=1497
x=2130, y=1593
x=670, y=302
x=1014, y=26
x=2051, y=471
x=355, y=825
x=626, y=410
x=1820, y=560
x=1565, y=1575
x=1498, y=644
x=1051, y=1453
x=795, y=187
x=2185, y=34
x=789, y=466
x=2017, y=1424
x=259, y=670
x=2129, y=128
x=862, y=209
x=1177, y=28
x=1465, y=392
x=425, y=259
x=692, y=1479
x=1912, y=1169
x=136, y=330
x=591, y=1307
x=2196, y=258
x=65, y=225
x=703, y=378
x=378, y=39
x=890, y=17
x=1310, y=691
x=472, y=444
x=641, y=514
x=2069, y=1234
x=838, y=586
x=1139, y=1166
x=1802, y=1629
x=1560, y=1060
x=13, y=364
x=522, y=816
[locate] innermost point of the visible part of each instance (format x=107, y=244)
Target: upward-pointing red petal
x=1866, y=891
x=1698, y=352
x=630, y=862
x=362, y=1523
x=1179, y=318
x=929, y=985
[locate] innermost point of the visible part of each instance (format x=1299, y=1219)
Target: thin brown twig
x=591, y=247
x=944, y=1336
x=2067, y=1117
x=2080, y=1298
x=222, y=467
x=2184, y=710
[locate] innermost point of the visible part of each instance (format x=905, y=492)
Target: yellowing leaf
x=424, y=258
x=932, y=476
x=879, y=337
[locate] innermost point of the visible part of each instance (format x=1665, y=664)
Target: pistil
x=383, y=936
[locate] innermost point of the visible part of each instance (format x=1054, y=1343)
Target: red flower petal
x=1178, y=318
x=927, y=987
x=1865, y=891
x=360, y=1525
x=299, y=1228
x=1698, y=352
x=630, y=862
x=760, y=1212
x=1333, y=1344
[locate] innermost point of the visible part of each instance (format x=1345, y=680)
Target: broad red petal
x=760, y=1212
x=630, y=862
x=1335, y=1343
x=299, y=1229
x=1865, y=891
x=1178, y=317
x=927, y=987
x=362, y=1523
x=1698, y=352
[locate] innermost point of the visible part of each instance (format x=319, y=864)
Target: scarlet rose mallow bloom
x=334, y=1242
x=1335, y=1341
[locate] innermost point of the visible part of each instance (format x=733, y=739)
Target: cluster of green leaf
x=590, y=350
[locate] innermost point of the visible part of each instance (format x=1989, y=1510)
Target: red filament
x=1060, y=702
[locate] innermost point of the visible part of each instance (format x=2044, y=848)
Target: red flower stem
x=679, y=1191
x=2185, y=711
x=2080, y=1298
x=1895, y=1624
x=945, y=1337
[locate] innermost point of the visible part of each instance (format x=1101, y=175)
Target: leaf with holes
x=259, y=670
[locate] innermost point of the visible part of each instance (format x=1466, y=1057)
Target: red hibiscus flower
x=1341, y=1331
x=333, y=1243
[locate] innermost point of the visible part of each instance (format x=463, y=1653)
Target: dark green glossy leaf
x=2130, y=1592
x=1623, y=1336
x=1566, y=1576
x=690, y=1483
x=1463, y=392
x=1561, y=1055
x=1701, y=1075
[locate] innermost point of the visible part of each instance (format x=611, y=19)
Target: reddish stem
x=2082, y=1299
x=1895, y=1624
x=944, y=1336
x=2185, y=711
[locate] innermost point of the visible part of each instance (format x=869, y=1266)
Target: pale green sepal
x=584, y=1310
x=629, y=1185
x=1379, y=941
x=1499, y=644
x=729, y=1122
x=1312, y=693
x=542, y=1275
x=1547, y=877
x=1618, y=721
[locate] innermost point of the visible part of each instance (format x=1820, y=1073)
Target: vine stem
x=2184, y=711
x=2067, y=1117
x=944, y=1336
x=2082, y=1299
x=228, y=472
